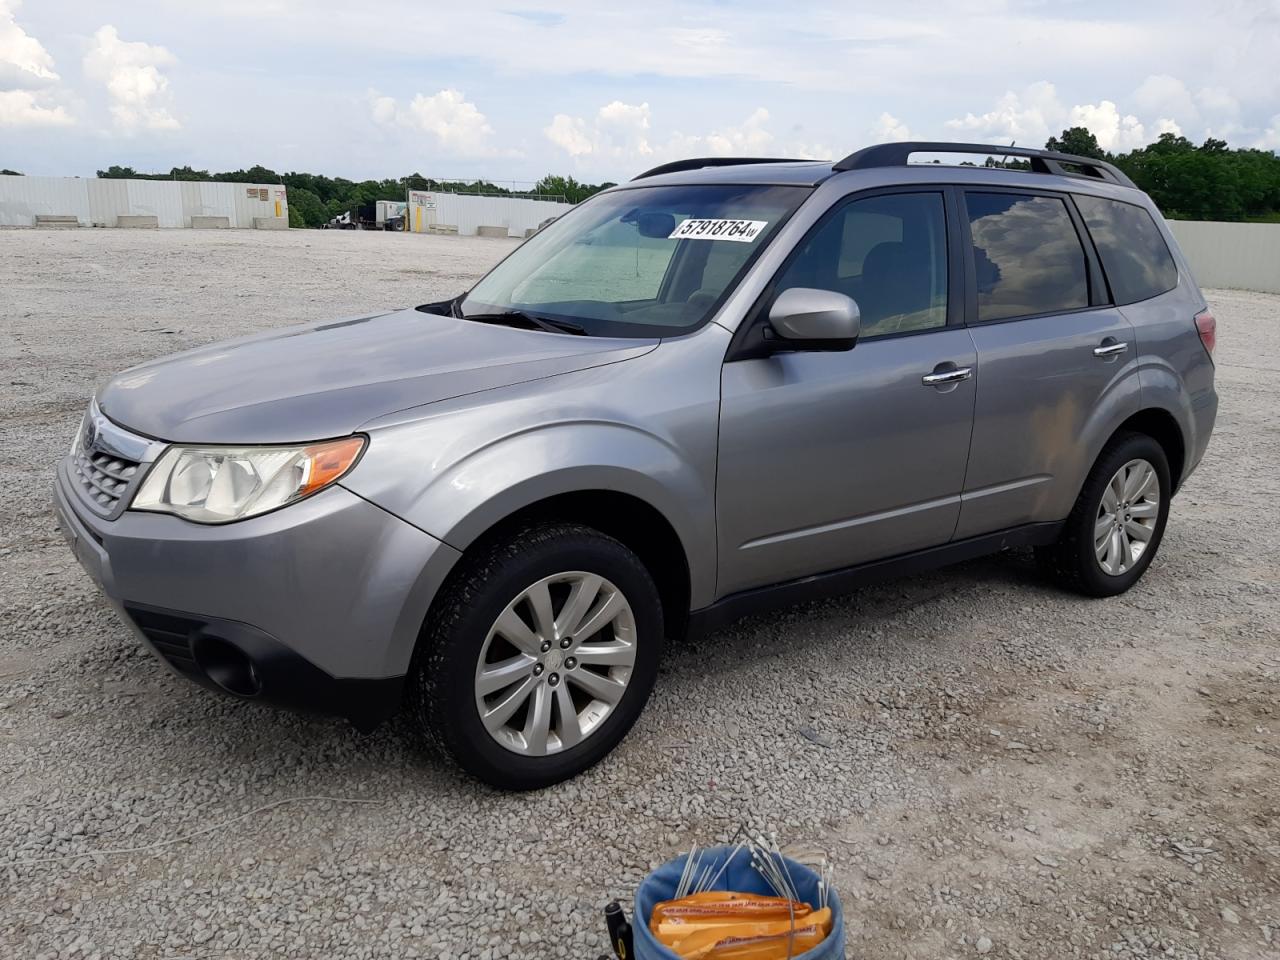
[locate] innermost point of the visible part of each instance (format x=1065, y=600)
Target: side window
x=1137, y=260
x=889, y=253
x=1027, y=255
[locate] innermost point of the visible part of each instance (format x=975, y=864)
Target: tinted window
x=888, y=253
x=1027, y=254
x=1133, y=252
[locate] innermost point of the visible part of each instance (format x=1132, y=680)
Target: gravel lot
x=995, y=767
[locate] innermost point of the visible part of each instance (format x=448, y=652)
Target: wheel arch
x=1160, y=425
x=628, y=518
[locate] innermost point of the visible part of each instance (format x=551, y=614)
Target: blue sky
x=512, y=90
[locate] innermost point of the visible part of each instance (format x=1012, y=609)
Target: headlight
x=221, y=484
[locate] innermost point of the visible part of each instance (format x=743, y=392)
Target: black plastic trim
x=697, y=163
x=1042, y=161
x=819, y=586
x=281, y=676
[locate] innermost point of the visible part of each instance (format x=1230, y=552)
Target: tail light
x=1207, y=327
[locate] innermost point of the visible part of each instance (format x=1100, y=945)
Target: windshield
x=643, y=262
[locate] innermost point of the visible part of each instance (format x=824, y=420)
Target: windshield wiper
x=528, y=321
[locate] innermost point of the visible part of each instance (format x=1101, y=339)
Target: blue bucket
x=742, y=877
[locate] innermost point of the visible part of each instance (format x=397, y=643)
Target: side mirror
x=808, y=319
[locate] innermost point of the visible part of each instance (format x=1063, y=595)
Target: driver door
x=831, y=459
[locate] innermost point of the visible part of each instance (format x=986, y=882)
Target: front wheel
x=540, y=655
x=1118, y=521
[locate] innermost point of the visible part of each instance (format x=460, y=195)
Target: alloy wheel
x=1127, y=517
x=555, y=663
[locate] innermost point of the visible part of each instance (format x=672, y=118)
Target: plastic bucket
x=740, y=876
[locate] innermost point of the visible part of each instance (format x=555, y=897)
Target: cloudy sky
x=514, y=90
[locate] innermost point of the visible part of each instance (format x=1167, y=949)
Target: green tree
x=1079, y=141
x=6, y=172
x=305, y=208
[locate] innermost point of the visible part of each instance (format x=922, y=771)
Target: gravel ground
x=995, y=767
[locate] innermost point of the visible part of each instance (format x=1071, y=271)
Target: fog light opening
x=228, y=666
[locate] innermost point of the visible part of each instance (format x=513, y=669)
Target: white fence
x=428, y=209
x=173, y=203
x=1241, y=255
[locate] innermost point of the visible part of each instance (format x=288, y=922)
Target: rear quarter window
x=1134, y=255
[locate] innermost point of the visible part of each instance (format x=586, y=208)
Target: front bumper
x=316, y=606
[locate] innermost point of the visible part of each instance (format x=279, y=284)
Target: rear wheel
x=1118, y=521
x=540, y=655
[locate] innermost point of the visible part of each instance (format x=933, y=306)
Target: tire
x=464, y=639
x=1074, y=560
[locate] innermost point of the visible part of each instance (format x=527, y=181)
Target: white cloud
x=889, y=128
x=621, y=132
x=750, y=139
x=1270, y=139
x=569, y=134
x=1166, y=96
x=618, y=130
x=1027, y=118
x=21, y=108
x=130, y=71
x=1115, y=133
x=23, y=59
x=455, y=122
x=26, y=77
x=1035, y=114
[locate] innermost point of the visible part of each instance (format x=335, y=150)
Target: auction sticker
x=743, y=231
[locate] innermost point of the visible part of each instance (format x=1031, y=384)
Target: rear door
x=1056, y=359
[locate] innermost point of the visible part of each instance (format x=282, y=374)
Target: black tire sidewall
x=1093, y=578
x=508, y=569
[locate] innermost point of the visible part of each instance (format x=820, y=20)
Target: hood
x=326, y=380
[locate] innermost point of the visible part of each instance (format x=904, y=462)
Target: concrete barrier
x=1241, y=255
x=445, y=228
x=210, y=223
x=55, y=221
x=138, y=221
x=492, y=231
x=270, y=223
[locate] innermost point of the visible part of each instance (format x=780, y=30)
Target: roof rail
x=694, y=163
x=1042, y=161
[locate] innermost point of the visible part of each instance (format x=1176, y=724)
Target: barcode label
x=742, y=231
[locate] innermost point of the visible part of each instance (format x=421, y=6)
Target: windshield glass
x=643, y=262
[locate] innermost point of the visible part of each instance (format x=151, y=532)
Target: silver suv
x=725, y=385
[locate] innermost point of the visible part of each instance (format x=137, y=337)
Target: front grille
x=107, y=463
x=104, y=479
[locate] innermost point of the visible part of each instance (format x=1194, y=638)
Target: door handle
x=947, y=376
x=1110, y=349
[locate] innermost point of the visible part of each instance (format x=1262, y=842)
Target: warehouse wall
x=1241, y=255
x=172, y=202
x=427, y=208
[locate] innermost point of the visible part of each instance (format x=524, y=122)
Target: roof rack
x=1042, y=161
x=694, y=163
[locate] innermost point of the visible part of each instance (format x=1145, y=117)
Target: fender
x=455, y=469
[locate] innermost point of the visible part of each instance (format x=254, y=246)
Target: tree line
x=1207, y=182
x=1188, y=182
